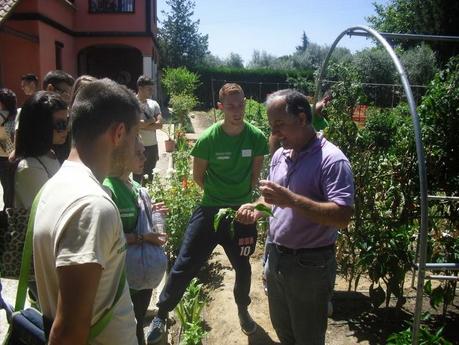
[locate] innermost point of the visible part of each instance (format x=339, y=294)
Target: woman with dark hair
x=43, y=123
x=8, y=113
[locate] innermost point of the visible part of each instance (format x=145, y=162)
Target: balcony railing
x=111, y=6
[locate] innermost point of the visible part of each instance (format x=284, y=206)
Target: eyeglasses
x=61, y=125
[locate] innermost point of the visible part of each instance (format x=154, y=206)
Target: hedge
x=257, y=83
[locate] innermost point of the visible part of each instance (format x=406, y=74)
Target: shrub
x=182, y=104
x=179, y=80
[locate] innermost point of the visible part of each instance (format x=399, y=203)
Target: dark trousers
x=299, y=289
x=8, y=189
x=152, y=156
x=199, y=241
x=140, y=300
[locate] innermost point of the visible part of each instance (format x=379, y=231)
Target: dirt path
x=221, y=313
x=354, y=320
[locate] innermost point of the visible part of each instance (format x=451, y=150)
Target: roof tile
x=6, y=6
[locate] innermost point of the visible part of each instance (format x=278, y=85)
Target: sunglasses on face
x=61, y=125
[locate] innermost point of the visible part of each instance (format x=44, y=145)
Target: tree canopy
x=180, y=42
x=435, y=17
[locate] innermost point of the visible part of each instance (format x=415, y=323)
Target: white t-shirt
x=149, y=109
x=31, y=174
x=77, y=223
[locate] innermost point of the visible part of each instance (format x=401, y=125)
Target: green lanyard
x=95, y=329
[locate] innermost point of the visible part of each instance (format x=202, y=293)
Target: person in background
x=43, y=123
x=60, y=82
x=135, y=209
x=228, y=158
x=80, y=82
x=29, y=84
x=311, y=191
x=151, y=121
x=8, y=113
x=78, y=242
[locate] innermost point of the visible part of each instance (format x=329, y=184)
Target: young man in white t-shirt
x=79, y=246
x=150, y=120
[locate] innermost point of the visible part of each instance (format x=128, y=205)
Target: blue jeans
x=299, y=288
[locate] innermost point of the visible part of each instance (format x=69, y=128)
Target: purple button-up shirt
x=321, y=172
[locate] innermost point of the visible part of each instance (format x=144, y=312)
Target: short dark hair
x=144, y=81
x=57, y=77
x=100, y=104
x=8, y=99
x=35, y=132
x=30, y=77
x=295, y=102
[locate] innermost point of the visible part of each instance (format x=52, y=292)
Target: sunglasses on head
x=61, y=125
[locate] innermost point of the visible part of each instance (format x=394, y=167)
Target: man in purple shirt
x=311, y=191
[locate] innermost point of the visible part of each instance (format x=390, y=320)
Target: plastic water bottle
x=159, y=222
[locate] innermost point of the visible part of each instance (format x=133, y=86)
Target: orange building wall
x=19, y=56
x=127, y=22
x=48, y=37
x=58, y=10
x=144, y=44
x=26, y=6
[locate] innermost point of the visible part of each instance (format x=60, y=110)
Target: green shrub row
x=257, y=83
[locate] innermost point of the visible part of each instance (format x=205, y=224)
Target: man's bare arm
x=256, y=169
x=77, y=291
x=199, y=169
x=157, y=124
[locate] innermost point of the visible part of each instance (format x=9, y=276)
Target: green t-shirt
x=125, y=199
x=228, y=178
x=319, y=122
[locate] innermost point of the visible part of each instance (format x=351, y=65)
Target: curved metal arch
x=422, y=239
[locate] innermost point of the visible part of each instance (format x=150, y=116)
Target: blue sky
x=241, y=26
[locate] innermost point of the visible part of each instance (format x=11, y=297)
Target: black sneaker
x=248, y=326
x=156, y=331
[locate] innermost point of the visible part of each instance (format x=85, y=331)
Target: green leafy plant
x=230, y=214
x=426, y=337
x=177, y=81
x=181, y=202
x=189, y=313
x=193, y=334
x=182, y=104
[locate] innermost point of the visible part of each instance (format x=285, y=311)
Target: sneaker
x=248, y=326
x=156, y=331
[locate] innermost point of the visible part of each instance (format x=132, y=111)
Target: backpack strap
x=105, y=319
x=44, y=166
x=26, y=257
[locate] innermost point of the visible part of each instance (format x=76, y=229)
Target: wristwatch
x=139, y=238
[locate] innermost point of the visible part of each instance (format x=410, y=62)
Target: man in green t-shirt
x=228, y=158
